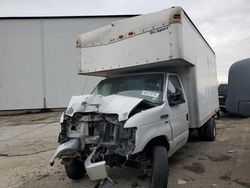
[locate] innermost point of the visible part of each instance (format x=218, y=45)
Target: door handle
x=164, y=116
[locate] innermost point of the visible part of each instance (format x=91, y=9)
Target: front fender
x=149, y=124
x=145, y=134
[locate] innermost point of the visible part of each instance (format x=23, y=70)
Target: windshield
x=145, y=86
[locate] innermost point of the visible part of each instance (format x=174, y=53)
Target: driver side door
x=178, y=111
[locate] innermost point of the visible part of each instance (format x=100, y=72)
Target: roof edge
x=61, y=17
x=197, y=30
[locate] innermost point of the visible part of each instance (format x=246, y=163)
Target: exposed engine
x=113, y=142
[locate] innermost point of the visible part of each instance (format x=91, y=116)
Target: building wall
x=38, y=66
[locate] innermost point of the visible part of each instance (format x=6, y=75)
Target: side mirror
x=175, y=98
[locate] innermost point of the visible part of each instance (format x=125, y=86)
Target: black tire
x=208, y=130
x=242, y=116
x=224, y=110
x=217, y=115
x=159, y=168
x=75, y=169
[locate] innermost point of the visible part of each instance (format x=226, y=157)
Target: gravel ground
x=28, y=141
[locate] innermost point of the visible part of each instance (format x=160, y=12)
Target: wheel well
x=159, y=140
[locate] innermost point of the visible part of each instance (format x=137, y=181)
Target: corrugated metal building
x=38, y=66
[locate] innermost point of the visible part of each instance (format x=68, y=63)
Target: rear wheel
x=224, y=110
x=208, y=130
x=242, y=116
x=75, y=169
x=160, y=167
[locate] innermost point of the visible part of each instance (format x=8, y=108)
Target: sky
x=224, y=24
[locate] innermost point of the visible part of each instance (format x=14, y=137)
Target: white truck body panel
x=159, y=42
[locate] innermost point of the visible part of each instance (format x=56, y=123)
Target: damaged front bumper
x=67, y=149
x=71, y=149
x=96, y=170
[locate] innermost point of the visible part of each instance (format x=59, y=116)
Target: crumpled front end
x=92, y=130
x=99, y=139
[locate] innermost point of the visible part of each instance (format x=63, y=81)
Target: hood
x=113, y=104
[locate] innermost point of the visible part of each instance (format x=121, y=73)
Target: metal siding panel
x=20, y=65
x=25, y=52
x=60, y=55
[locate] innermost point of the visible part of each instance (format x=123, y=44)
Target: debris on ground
x=105, y=183
x=232, y=151
x=219, y=158
x=182, y=182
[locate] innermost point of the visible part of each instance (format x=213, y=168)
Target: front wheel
x=75, y=169
x=160, y=167
x=208, y=130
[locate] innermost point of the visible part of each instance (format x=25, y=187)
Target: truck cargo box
x=163, y=41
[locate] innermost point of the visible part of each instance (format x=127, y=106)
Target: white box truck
x=160, y=84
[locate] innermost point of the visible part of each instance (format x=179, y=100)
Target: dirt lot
x=27, y=142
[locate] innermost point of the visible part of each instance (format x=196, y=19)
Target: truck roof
x=150, y=42
x=122, y=29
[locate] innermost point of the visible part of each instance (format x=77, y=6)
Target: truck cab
x=123, y=119
x=163, y=110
